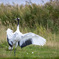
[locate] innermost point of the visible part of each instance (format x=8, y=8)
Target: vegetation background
x=39, y=19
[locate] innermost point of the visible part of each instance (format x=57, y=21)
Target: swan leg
x=14, y=51
x=15, y=48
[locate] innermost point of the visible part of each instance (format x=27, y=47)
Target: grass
x=26, y=52
x=49, y=51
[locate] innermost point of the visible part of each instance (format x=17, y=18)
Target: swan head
x=17, y=19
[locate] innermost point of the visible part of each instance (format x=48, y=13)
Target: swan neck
x=18, y=22
x=18, y=26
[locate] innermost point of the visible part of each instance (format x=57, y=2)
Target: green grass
x=42, y=52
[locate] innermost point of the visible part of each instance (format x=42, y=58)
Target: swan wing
x=9, y=36
x=9, y=33
x=31, y=38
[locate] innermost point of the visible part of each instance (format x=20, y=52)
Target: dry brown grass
x=52, y=44
x=2, y=33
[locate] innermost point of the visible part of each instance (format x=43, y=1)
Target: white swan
x=17, y=38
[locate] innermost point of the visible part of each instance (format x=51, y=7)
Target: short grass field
x=30, y=52
x=49, y=51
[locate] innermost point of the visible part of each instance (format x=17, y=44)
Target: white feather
x=9, y=33
x=14, y=37
x=36, y=39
